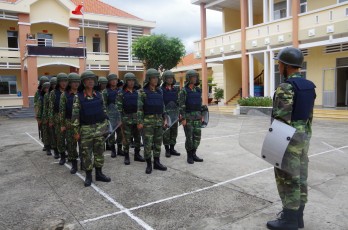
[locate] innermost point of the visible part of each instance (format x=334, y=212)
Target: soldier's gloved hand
x=184, y=122
x=140, y=126
x=62, y=129
x=165, y=123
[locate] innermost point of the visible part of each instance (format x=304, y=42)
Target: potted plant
x=218, y=95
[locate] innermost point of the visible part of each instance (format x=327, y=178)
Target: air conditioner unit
x=232, y=47
x=311, y=33
x=254, y=43
x=267, y=41
x=198, y=55
x=80, y=39
x=211, y=51
x=221, y=49
x=330, y=29
x=281, y=38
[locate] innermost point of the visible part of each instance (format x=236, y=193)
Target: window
x=279, y=10
x=44, y=40
x=303, y=6
x=96, y=45
x=8, y=85
x=12, y=39
x=341, y=1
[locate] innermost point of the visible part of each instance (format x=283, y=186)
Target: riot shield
x=205, y=116
x=171, y=115
x=280, y=145
x=114, y=119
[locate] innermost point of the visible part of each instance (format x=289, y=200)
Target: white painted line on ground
x=333, y=147
x=199, y=190
x=106, y=196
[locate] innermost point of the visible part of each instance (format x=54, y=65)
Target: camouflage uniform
x=53, y=116
x=37, y=97
x=193, y=118
x=293, y=104
x=41, y=117
x=170, y=95
x=152, y=122
x=292, y=188
x=92, y=126
x=127, y=107
x=45, y=128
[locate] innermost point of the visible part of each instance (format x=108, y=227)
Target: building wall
x=60, y=33
x=232, y=77
x=49, y=10
x=231, y=19
x=52, y=70
x=90, y=33
x=4, y=27
x=317, y=60
x=315, y=4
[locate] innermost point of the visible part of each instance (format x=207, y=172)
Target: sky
x=175, y=18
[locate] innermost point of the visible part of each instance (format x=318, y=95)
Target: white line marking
x=106, y=196
x=333, y=147
x=199, y=190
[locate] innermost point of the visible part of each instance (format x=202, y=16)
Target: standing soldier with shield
x=42, y=116
x=89, y=121
x=150, y=119
x=127, y=104
x=109, y=95
x=53, y=115
x=293, y=104
x=170, y=96
x=190, y=106
x=37, y=98
x=65, y=111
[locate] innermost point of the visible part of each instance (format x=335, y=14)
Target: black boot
x=167, y=151
x=62, y=158
x=195, y=157
x=88, y=180
x=44, y=148
x=126, y=158
x=48, y=150
x=82, y=166
x=137, y=156
x=300, y=217
x=157, y=164
x=56, y=154
x=148, y=166
x=190, y=157
x=173, y=151
x=113, y=151
x=73, y=169
x=107, y=147
x=119, y=150
x=286, y=221
x=132, y=145
x=99, y=176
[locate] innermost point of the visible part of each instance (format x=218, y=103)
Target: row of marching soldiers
x=72, y=112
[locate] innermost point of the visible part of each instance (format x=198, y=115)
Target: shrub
x=256, y=101
x=219, y=94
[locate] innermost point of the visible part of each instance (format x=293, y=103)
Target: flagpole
x=83, y=36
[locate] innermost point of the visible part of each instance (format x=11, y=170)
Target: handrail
x=258, y=77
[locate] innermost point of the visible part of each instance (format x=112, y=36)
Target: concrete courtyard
x=231, y=189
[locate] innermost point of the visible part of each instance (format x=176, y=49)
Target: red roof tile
x=189, y=60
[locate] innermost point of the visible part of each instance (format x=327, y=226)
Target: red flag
x=78, y=11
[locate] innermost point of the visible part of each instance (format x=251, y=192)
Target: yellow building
x=255, y=30
x=44, y=37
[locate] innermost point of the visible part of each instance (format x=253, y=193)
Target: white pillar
x=251, y=75
x=288, y=8
x=250, y=13
x=265, y=11
x=266, y=74
x=271, y=73
x=271, y=10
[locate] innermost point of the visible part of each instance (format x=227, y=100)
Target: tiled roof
x=189, y=60
x=98, y=7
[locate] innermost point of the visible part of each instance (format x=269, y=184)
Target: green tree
x=156, y=50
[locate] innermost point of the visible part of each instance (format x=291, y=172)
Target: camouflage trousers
x=153, y=135
x=193, y=134
x=292, y=187
x=169, y=137
x=45, y=134
x=115, y=138
x=60, y=137
x=131, y=131
x=92, y=144
x=71, y=143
